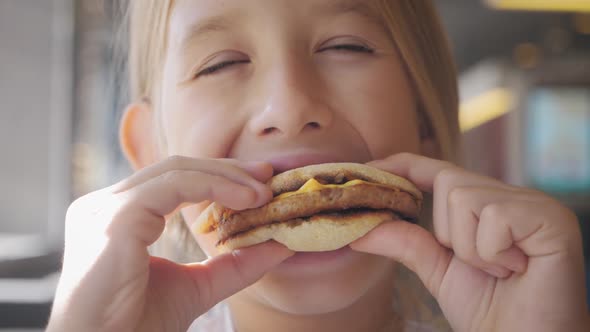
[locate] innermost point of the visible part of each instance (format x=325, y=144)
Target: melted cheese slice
x=314, y=185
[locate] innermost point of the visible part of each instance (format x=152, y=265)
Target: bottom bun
x=317, y=233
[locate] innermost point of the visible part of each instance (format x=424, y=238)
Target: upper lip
x=285, y=162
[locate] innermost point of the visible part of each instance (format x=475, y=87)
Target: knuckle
x=84, y=205
x=492, y=212
x=556, y=209
x=492, y=215
x=176, y=161
x=78, y=203
x=171, y=176
x=403, y=155
x=89, y=215
x=529, y=192
x=444, y=178
x=563, y=215
x=458, y=196
x=74, y=210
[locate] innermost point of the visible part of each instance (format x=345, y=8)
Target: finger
x=509, y=235
x=494, y=241
x=464, y=204
x=437, y=176
x=247, y=173
x=512, y=259
x=422, y=172
x=412, y=246
x=222, y=276
x=260, y=170
x=146, y=205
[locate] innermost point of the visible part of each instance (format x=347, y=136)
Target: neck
x=372, y=312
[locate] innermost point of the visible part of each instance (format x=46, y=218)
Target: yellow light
x=542, y=5
x=485, y=107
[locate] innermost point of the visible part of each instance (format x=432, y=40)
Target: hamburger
x=320, y=207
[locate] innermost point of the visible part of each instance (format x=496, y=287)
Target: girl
x=228, y=93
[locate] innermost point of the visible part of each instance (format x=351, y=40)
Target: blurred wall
x=34, y=99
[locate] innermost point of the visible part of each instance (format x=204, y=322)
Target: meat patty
x=343, y=217
x=327, y=200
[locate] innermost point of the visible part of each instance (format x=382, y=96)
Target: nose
x=293, y=102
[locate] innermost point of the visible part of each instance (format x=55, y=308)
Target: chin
x=319, y=290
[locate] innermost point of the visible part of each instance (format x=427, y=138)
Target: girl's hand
x=109, y=282
x=501, y=258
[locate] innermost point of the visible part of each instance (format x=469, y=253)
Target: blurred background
x=524, y=70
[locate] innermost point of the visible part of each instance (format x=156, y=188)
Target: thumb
x=412, y=246
x=222, y=276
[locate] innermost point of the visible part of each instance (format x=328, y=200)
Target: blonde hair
x=418, y=34
x=415, y=29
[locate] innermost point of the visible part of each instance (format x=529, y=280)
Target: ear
x=136, y=135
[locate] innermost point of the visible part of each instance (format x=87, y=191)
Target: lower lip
x=313, y=258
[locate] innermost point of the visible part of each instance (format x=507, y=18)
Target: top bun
x=338, y=173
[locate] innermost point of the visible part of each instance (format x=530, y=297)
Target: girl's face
x=293, y=83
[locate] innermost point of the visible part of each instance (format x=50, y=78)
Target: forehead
x=194, y=17
x=216, y=7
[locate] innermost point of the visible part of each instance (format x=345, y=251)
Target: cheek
x=200, y=124
x=379, y=103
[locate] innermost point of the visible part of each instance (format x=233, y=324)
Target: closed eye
x=219, y=67
x=213, y=69
x=349, y=47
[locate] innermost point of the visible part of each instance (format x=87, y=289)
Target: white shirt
x=218, y=319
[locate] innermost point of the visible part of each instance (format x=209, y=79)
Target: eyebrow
x=339, y=7
x=224, y=22
x=209, y=25
x=201, y=29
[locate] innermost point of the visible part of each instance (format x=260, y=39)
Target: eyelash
x=222, y=65
x=350, y=47
x=219, y=66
